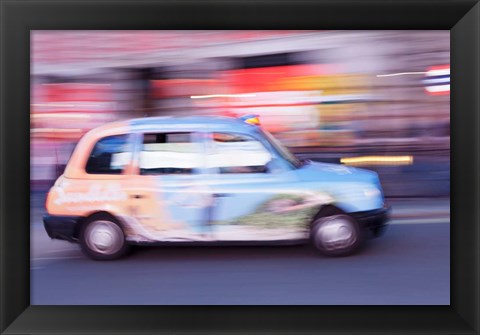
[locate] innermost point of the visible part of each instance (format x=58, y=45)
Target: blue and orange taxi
x=206, y=180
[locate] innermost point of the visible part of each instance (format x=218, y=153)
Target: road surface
x=410, y=264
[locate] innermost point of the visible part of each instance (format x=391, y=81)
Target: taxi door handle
x=137, y=196
x=221, y=195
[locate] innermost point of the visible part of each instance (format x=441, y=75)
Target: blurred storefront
x=337, y=92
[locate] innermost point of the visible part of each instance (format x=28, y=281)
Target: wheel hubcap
x=335, y=232
x=104, y=237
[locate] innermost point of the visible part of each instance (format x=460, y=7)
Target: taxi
x=205, y=180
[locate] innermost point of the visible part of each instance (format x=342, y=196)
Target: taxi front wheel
x=102, y=238
x=336, y=235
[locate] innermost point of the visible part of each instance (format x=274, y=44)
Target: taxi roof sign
x=253, y=119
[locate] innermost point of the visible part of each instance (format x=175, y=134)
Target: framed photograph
x=257, y=167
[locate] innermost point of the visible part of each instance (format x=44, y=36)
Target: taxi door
x=250, y=188
x=165, y=196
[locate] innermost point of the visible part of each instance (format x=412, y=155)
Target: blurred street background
x=326, y=95
x=373, y=99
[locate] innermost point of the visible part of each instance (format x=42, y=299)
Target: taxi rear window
x=169, y=153
x=110, y=155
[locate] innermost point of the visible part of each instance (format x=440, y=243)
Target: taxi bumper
x=62, y=227
x=375, y=220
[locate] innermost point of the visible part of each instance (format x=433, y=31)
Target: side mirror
x=274, y=166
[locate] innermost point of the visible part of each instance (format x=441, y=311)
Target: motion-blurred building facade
x=335, y=92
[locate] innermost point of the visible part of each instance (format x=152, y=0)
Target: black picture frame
x=19, y=17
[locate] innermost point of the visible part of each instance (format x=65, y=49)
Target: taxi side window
x=237, y=153
x=110, y=155
x=169, y=153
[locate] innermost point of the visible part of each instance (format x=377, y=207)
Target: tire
x=379, y=231
x=102, y=238
x=336, y=235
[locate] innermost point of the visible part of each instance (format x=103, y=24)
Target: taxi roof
x=189, y=123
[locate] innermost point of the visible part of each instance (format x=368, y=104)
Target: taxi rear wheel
x=102, y=238
x=336, y=235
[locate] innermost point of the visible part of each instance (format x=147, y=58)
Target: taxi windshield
x=282, y=150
